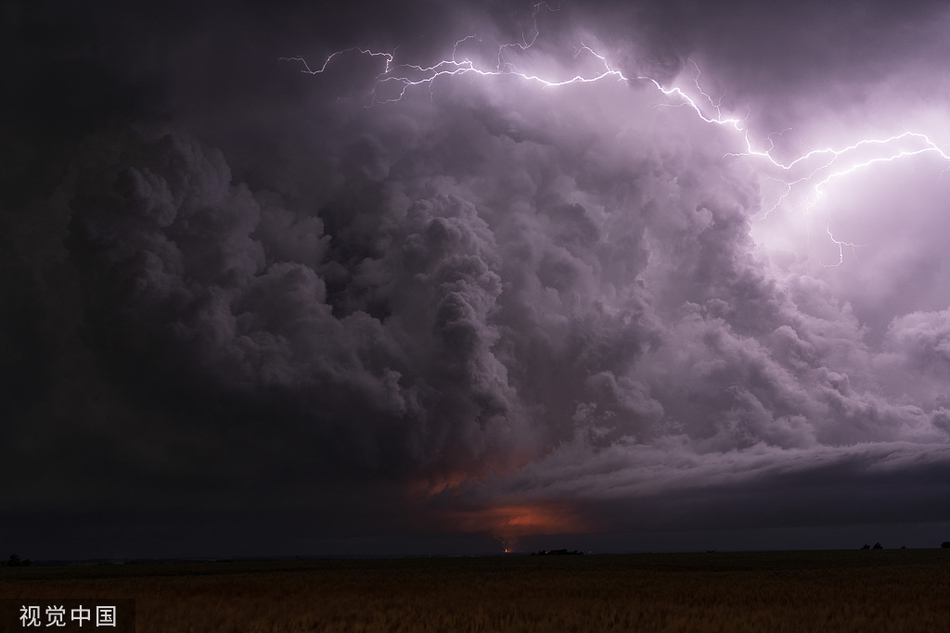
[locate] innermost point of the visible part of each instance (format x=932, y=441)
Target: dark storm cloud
x=179, y=283
x=786, y=61
x=666, y=487
x=489, y=305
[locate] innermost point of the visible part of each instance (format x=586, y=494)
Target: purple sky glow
x=452, y=277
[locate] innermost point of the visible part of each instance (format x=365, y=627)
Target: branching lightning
x=840, y=244
x=816, y=168
x=402, y=75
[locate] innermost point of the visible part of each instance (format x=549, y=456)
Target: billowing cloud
x=489, y=306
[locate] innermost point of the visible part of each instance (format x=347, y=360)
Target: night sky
x=610, y=275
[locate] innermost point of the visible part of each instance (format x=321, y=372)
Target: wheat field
x=860, y=591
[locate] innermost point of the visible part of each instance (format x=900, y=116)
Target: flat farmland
x=860, y=591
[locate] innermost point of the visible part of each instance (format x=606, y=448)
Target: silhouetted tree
x=865, y=546
x=945, y=545
x=878, y=546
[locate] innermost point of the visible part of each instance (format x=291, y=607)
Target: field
x=861, y=591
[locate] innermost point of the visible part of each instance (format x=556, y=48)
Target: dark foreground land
x=861, y=591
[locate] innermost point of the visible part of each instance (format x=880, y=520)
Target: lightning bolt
x=840, y=244
x=406, y=76
x=817, y=167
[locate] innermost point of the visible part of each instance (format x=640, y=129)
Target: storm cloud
x=477, y=305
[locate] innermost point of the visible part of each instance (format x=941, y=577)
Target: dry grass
x=866, y=591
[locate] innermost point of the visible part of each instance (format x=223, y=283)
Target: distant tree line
x=944, y=545
x=14, y=561
x=556, y=552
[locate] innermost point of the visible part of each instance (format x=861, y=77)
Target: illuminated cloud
x=533, y=273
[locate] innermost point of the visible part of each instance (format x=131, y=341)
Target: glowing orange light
x=508, y=523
